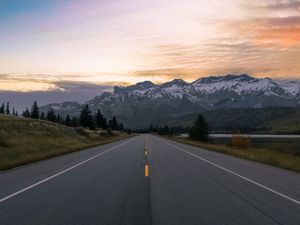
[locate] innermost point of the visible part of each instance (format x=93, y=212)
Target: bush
x=240, y=141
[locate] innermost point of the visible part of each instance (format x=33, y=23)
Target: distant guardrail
x=257, y=135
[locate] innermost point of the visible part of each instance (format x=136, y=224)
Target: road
x=186, y=185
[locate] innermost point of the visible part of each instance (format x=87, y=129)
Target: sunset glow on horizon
x=128, y=41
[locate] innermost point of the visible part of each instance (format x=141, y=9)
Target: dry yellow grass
x=25, y=140
x=276, y=158
x=239, y=141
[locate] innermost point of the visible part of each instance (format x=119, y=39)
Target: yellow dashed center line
x=146, y=171
x=146, y=155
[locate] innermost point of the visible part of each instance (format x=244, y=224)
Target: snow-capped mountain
x=240, y=85
x=290, y=86
x=70, y=107
x=148, y=101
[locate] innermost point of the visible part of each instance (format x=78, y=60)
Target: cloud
x=43, y=82
x=158, y=40
x=280, y=30
x=221, y=56
x=287, y=21
x=282, y=36
x=61, y=91
x=281, y=5
x=76, y=86
x=277, y=25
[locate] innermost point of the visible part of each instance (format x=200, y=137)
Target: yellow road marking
x=146, y=171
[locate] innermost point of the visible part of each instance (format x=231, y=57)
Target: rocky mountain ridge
x=146, y=102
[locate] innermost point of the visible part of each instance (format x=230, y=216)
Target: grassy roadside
x=276, y=158
x=24, y=141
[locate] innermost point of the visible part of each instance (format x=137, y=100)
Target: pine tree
x=68, y=121
x=26, y=113
x=58, y=118
x=100, y=120
x=113, y=123
x=199, y=130
x=2, y=108
x=121, y=126
x=42, y=117
x=86, y=118
x=75, y=122
x=7, y=108
x=14, y=111
x=51, y=115
x=35, y=113
x=105, y=126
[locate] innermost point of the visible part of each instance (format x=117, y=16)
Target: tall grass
x=281, y=159
x=25, y=140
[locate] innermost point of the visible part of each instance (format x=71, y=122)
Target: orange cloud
x=283, y=31
x=283, y=36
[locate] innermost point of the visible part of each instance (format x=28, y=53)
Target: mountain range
x=147, y=103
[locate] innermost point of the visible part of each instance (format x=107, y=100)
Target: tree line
x=5, y=109
x=198, y=131
x=86, y=118
x=168, y=130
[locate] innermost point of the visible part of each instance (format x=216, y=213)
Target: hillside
x=27, y=140
x=265, y=120
x=290, y=123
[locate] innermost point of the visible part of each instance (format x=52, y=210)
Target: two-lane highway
x=186, y=185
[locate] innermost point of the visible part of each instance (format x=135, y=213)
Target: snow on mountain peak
x=225, y=78
x=290, y=86
x=175, y=82
x=240, y=85
x=229, y=91
x=144, y=84
x=141, y=86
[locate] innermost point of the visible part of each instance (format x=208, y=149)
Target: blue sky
x=15, y=8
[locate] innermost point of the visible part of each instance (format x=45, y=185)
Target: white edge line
x=61, y=172
x=236, y=174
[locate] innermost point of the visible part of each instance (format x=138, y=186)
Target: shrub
x=240, y=141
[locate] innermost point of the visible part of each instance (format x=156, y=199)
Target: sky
x=59, y=45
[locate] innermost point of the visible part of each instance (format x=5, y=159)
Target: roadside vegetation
x=34, y=136
x=87, y=118
x=239, y=147
x=281, y=159
x=240, y=142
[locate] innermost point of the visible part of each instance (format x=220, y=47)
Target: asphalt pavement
x=148, y=180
